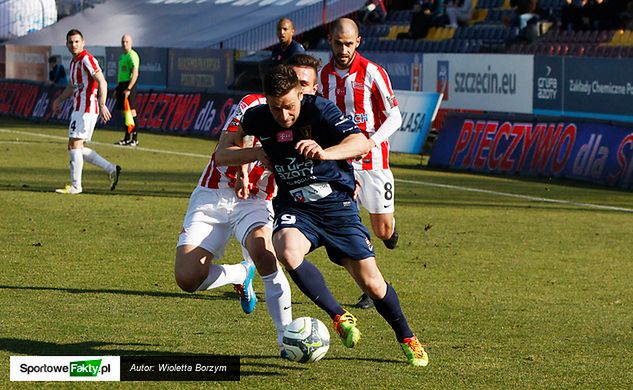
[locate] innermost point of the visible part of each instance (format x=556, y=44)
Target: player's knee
x=187, y=282
x=376, y=288
x=188, y=278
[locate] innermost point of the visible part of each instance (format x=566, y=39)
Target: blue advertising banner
x=404, y=69
x=200, y=69
x=548, y=84
x=153, y=70
x=595, y=88
x=593, y=152
x=418, y=110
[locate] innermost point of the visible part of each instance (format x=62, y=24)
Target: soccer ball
x=306, y=340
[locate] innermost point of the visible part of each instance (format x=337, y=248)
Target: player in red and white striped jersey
x=89, y=91
x=216, y=212
x=217, y=176
x=362, y=90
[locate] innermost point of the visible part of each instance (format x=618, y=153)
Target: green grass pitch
x=511, y=282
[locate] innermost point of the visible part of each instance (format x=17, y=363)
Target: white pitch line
x=525, y=197
x=423, y=183
x=56, y=137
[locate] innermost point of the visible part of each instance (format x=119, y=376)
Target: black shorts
x=118, y=93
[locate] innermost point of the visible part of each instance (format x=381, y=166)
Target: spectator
x=605, y=14
x=287, y=47
x=526, y=19
x=57, y=73
x=426, y=14
x=459, y=12
x=374, y=11
x=572, y=15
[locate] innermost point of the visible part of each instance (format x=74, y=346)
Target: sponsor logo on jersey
x=357, y=85
x=284, y=136
x=357, y=118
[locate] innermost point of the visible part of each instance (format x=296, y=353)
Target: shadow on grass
x=328, y=357
x=216, y=296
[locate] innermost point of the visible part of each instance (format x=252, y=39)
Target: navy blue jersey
x=319, y=120
x=279, y=56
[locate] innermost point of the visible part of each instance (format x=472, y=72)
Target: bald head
x=286, y=20
x=345, y=25
x=126, y=42
x=344, y=40
x=285, y=31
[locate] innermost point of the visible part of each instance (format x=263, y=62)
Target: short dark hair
x=72, y=32
x=52, y=59
x=304, y=60
x=280, y=80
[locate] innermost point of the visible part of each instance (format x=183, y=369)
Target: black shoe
x=122, y=142
x=393, y=241
x=364, y=302
x=114, y=177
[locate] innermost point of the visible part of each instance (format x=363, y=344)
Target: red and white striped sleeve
x=91, y=64
x=248, y=101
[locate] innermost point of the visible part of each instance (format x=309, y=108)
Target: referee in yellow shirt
x=129, y=63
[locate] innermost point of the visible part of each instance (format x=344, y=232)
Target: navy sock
x=310, y=281
x=389, y=309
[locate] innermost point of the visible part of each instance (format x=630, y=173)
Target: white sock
x=94, y=158
x=277, y=292
x=76, y=167
x=223, y=274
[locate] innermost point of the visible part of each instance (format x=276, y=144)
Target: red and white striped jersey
x=82, y=69
x=215, y=176
x=365, y=96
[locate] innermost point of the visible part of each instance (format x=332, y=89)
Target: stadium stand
x=489, y=31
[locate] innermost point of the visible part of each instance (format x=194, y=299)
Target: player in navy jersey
x=306, y=141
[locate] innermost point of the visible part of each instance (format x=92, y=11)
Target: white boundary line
x=57, y=137
x=525, y=197
x=422, y=183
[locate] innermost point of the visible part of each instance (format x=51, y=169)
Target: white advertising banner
x=418, y=111
x=486, y=82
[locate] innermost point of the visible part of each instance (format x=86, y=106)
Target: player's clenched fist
x=310, y=149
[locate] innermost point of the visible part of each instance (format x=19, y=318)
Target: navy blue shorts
x=340, y=230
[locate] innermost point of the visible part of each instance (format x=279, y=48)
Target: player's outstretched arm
x=353, y=145
x=233, y=151
x=66, y=93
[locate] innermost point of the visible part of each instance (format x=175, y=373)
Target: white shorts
x=215, y=214
x=377, y=191
x=82, y=125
